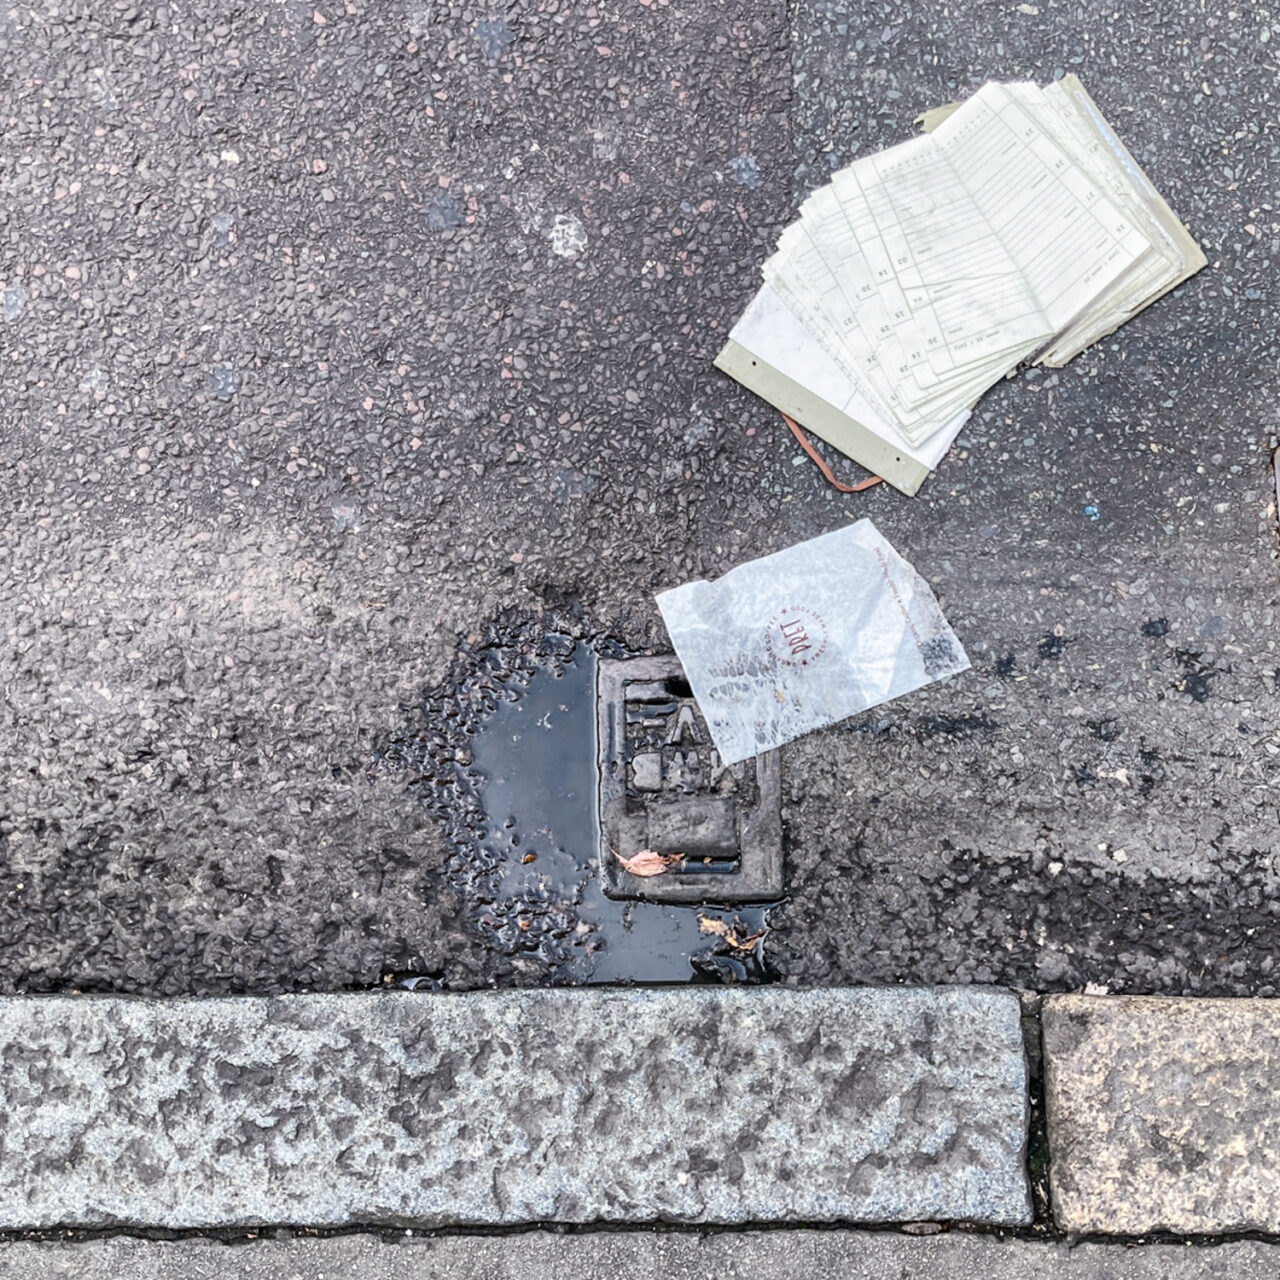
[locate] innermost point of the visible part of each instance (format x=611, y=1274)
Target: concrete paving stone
x=536, y=1255
x=1164, y=1114
x=680, y=1106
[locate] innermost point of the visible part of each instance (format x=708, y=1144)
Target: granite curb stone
x=1163, y=1114
x=635, y=1255
x=502, y=1108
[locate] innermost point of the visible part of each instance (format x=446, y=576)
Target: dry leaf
x=648, y=862
x=731, y=933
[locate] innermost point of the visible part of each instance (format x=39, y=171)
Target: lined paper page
x=1057, y=107
x=936, y=249
x=1015, y=230
x=939, y=306
x=1069, y=239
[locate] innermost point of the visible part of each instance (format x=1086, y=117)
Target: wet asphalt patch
x=506, y=760
x=503, y=754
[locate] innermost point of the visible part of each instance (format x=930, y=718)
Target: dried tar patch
x=1196, y=675
x=1052, y=645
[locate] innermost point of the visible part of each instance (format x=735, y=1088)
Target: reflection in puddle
x=532, y=874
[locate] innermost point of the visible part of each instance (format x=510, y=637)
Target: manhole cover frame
x=758, y=876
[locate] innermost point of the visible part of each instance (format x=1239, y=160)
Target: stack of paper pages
x=1016, y=228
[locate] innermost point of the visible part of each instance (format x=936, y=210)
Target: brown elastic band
x=798, y=431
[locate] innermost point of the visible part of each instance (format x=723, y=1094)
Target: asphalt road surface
x=340, y=341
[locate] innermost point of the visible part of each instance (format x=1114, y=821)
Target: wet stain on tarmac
x=512, y=774
x=1196, y=675
x=1052, y=645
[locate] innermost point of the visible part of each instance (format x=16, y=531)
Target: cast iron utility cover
x=662, y=787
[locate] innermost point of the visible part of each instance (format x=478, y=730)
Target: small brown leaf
x=733, y=934
x=648, y=862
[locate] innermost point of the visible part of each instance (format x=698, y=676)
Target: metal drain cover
x=662, y=787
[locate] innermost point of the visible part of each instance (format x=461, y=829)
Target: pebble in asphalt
x=340, y=338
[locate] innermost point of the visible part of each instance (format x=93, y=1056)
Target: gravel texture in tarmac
x=330, y=332
x=334, y=336
x=1095, y=801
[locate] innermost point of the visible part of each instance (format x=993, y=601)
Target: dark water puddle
x=534, y=763
x=505, y=758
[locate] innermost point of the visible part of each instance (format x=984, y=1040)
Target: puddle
x=523, y=814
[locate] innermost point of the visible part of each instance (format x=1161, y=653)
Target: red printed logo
x=796, y=637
